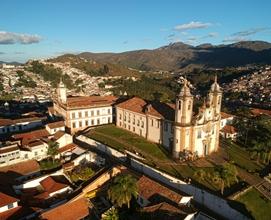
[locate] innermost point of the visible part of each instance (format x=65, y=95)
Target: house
x=53, y=186
x=21, y=124
x=53, y=127
x=230, y=132
x=226, y=119
x=71, y=210
x=8, y=206
x=9, y=154
x=83, y=111
x=151, y=192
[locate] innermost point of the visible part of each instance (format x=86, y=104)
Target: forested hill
x=180, y=56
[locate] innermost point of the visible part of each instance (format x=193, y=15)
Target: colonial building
x=82, y=112
x=175, y=126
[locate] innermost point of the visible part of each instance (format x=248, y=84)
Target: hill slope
x=180, y=56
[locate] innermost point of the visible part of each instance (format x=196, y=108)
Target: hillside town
x=56, y=158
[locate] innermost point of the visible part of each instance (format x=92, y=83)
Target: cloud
x=13, y=38
x=234, y=39
x=1, y=53
x=19, y=52
x=192, y=25
x=250, y=31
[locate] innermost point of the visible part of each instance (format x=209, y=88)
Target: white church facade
x=175, y=126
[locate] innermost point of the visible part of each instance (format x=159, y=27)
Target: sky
x=33, y=29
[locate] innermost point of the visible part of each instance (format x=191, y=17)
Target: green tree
x=53, y=149
x=225, y=175
x=122, y=190
x=111, y=214
x=200, y=174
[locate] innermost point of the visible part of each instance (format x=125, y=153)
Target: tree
x=122, y=190
x=111, y=214
x=225, y=175
x=200, y=174
x=258, y=147
x=53, y=149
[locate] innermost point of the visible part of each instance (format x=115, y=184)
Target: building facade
x=175, y=126
x=82, y=112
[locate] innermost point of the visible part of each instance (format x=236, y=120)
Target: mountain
x=183, y=57
x=11, y=63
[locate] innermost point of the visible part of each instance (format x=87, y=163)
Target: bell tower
x=183, y=119
x=215, y=97
x=62, y=92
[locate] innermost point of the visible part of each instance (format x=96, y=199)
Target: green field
x=258, y=206
x=154, y=154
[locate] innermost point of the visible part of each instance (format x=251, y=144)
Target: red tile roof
x=50, y=185
x=90, y=101
x=5, y=122
x=74, y=210
x=152, y=190
x=6, y=199
x=165, y=211
x=258, y=111
x=11, y=214
x=155, y=108
x=8, y=149
x=58, y=134
x=23, y=168
x=229, y=129
x=30, y=136
x=57, y=124
x=68, y=147
x=225, y=115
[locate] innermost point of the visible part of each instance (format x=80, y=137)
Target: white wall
x=5, y=208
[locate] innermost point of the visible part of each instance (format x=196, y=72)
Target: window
x=180, y=105
x=73, y=115
x=36, y=153
x=152, y=122
x=138, y=122
x=109, y=120
x=133, y=120
x=92, y=122
x=74, y=125
x=92, y=113
x=98, y=112
x=86, y=122
x=158, y=123
x=129, y=127
x=219, y=100
x=124, y=117
x=120, y=116
x=133, y=129
x=86, y=113
x=80, y=124
x=142, y=124
x=10, y=206
x=189, y=105
x=109, y=111
x=98, y=121
x=199, y=134
x=80, y=114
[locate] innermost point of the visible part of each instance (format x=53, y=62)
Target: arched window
x=189, y=105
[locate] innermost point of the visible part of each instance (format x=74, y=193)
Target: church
x=175, y=126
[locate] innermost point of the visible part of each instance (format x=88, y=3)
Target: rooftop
x=57, y=124
x=154, y=108
x=72, y=210
x=229, y=129
x=6, y=199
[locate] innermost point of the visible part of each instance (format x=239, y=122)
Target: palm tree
x=111, y=214
x=122, y=190
x=53, y=149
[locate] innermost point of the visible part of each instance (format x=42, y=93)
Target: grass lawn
x=242, y=159
x=155, y=154
x=258, y=206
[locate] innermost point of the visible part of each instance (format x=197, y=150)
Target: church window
x=92, y=113
x=158, y=123
x=152, y=122
x=73, y=125
x=80, y=124
x=108, y=111
x=180, y=105
x=189, y=105
x=86, y=122
x=142, y=124
x=98, y=121
x=98, y=112
x=219, y=100
x=79, y=114
x=73, y=115
x=199, y=134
